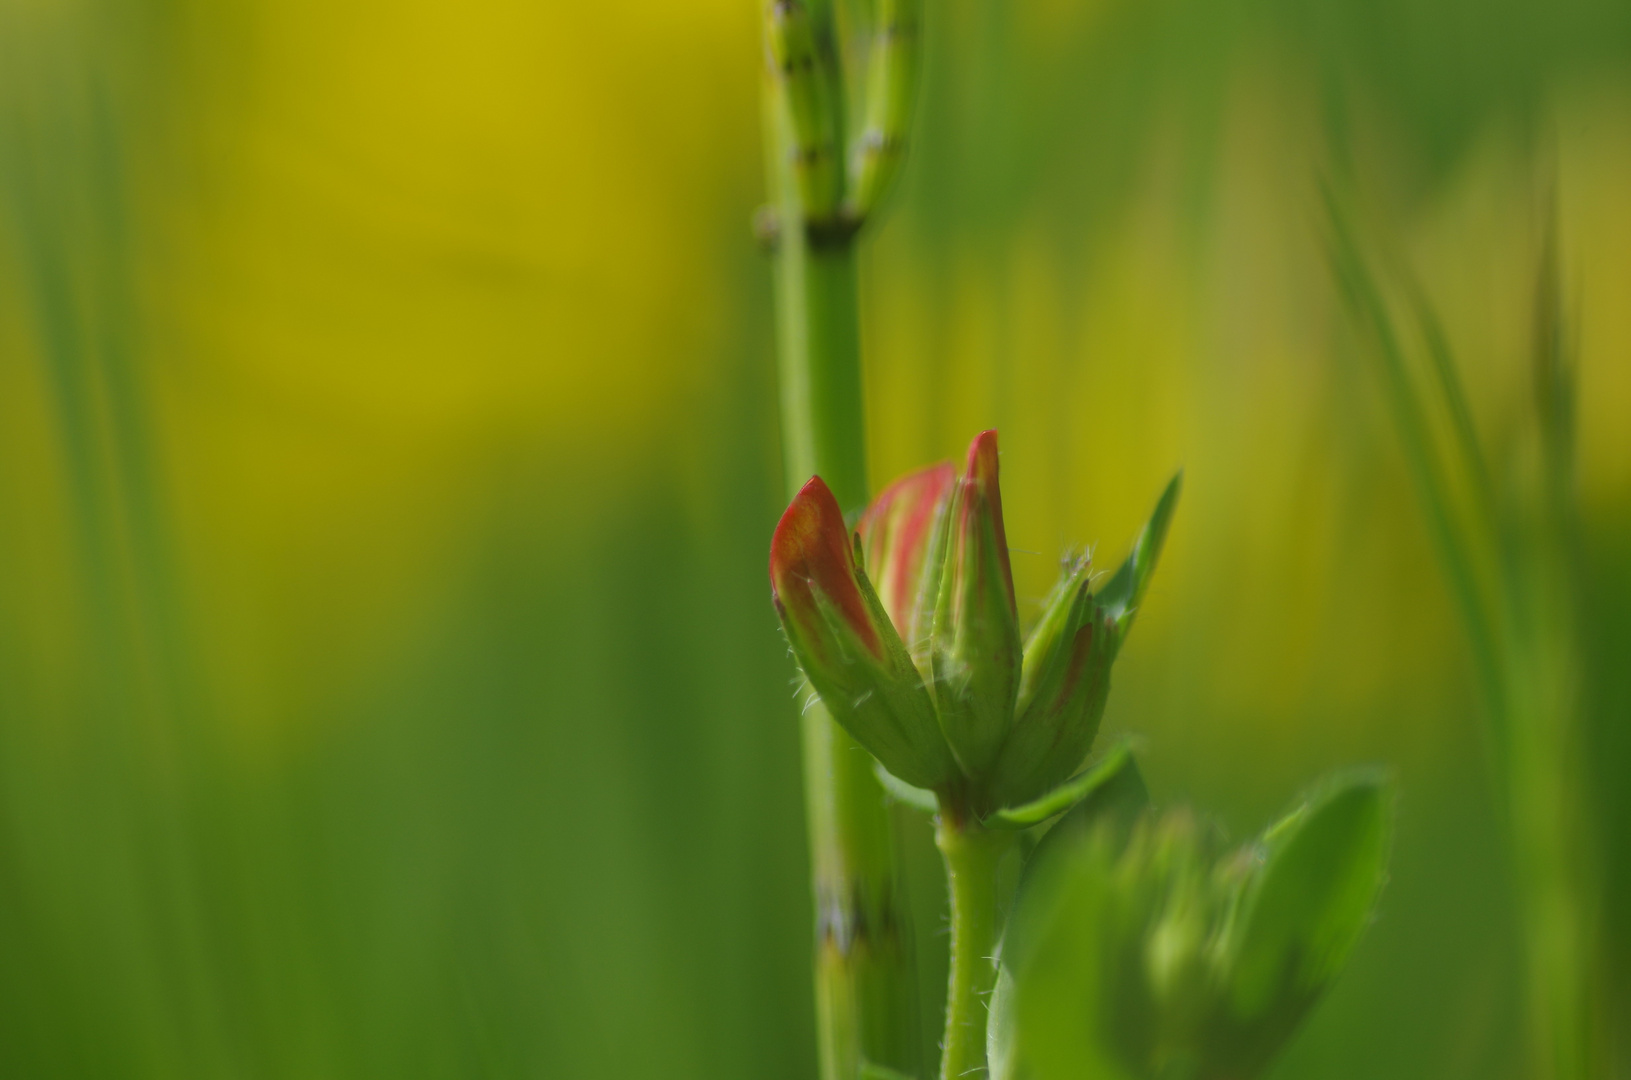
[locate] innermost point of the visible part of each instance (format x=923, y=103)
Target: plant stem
x=865, y=971
x=972, y=854
x=866, y=1002
x=820, y=345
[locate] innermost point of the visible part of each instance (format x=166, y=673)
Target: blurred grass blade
x=1369, y=311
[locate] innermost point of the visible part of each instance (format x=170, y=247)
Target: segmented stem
x=865, y=973
x=892, y=79
x=804, y=66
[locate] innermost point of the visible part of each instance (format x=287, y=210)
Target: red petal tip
x=896, y=530
x=982, y=458
x=799, y=532
x=811, y=550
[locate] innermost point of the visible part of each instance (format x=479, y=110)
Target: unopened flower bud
x=1063, y=687
x=843, y=639
x=976, y=642
x=898, y=535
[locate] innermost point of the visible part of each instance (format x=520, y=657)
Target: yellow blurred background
x=388, y=454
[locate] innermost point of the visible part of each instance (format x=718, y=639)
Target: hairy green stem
x=972, y=854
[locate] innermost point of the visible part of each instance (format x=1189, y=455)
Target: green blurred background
x=388, y=453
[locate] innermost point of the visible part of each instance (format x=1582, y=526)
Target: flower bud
x=898, y=535
x=976, y=647
x=843, y=639
x=1064, y=682
x=1065, y=678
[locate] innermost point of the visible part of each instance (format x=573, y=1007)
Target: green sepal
x=1064, y=684
x=1116, y=762
x=1064, y=610
x=976, y=650
x=924, y=760
x=843, y=640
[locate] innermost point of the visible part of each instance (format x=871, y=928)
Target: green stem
x=866, y=1002
x=865, y=971
x=972, y=854
x=820, y=343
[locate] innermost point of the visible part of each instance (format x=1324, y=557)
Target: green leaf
x=1056, y=987
x=1117, y=762
x=1324, y=865
x=1125, y=590
x=1001, y=1034
x=873, y=1071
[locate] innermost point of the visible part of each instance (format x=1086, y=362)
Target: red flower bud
x=976, y=643
x=844, y=641
x=898, y=534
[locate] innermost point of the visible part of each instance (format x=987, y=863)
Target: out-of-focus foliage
x=1147, y=948
x=388, y=684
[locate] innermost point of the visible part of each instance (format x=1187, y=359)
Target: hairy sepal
x=847, y=647
x=976, y=647
x=1063, y=689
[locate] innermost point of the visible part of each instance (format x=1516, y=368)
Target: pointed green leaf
x=1125, y=590
x=1304, y=910
x=1060, y=995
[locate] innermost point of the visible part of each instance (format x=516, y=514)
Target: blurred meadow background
x=388, y=456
